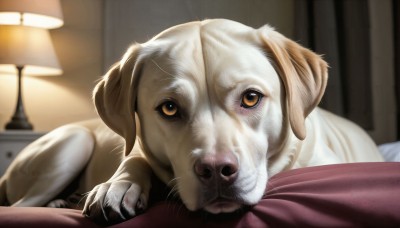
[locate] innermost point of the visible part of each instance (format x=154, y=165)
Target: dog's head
x=215, y=100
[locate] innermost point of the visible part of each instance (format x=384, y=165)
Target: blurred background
x=358, y=38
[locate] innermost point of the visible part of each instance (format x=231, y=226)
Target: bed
x=341, y=195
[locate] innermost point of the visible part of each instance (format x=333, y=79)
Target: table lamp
x=26, y=47
x=36, y=13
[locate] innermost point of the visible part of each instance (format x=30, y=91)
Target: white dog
x=220, y=107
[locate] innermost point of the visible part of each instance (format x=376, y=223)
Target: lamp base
x=18, y=123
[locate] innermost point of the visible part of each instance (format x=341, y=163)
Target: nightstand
x=11, y=143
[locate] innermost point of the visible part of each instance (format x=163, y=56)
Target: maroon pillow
x=358, y=194
x=42, y=217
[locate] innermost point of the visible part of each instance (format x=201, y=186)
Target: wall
x=57, y=100
x=129, y=21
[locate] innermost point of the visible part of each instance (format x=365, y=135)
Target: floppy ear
x=115, y=97
x=303, y=73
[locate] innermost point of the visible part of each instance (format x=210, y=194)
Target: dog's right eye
x=168, y=109
x=251, y=98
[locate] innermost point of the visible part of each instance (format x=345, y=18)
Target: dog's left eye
x=168, y=109
x=251, y=99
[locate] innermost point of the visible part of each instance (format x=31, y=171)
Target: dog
x=213, y=108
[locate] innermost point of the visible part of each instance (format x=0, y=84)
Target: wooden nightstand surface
x=12, y=142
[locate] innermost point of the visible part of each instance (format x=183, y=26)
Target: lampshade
x=28, y=47
x=37, y=13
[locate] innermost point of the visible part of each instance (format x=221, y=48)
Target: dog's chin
x=222, y=206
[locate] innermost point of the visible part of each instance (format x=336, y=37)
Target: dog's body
x=221, y=107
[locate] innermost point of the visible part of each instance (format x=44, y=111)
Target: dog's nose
x=222, y=168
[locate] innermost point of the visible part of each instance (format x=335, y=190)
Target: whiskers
x=173, y=200
x=174, y=192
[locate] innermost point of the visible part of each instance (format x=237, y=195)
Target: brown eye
x=250, y=99
x=168, y=109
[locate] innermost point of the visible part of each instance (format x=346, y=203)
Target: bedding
x=390, y=151
x=341, y=195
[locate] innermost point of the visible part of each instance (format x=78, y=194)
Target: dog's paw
x=115, y=201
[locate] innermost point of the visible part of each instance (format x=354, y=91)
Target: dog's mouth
x=222, y=205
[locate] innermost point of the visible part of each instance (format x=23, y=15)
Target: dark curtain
x=396, y=25
x=339, y=30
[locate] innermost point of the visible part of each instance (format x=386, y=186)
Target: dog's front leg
x=124, y=195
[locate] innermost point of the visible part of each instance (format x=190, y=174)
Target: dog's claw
x=115, y=202
x=113, y=216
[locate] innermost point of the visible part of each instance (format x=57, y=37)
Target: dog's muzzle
x=217, y=173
